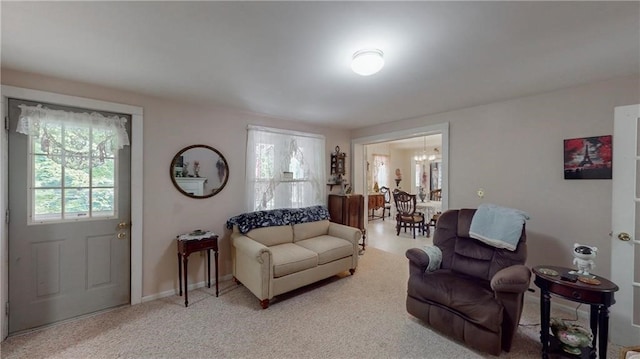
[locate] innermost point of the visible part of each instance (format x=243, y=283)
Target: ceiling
x=291, y=60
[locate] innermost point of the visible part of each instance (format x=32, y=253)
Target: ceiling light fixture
x=422, y=156
x=367, y=61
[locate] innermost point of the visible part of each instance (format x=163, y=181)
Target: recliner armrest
x=418, y=258
x=513, y=279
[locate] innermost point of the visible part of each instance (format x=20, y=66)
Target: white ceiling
x=291, y=59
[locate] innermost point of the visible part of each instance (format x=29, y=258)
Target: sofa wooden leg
x=264, y=303
x=352, y=271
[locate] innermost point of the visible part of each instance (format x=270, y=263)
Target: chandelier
x=423, y=156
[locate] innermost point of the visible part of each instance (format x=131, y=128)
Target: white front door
x=69, y=241
x=625, y=246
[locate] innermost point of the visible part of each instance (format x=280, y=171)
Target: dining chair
x=407, y=216
x=387, y=201
x=435, y=195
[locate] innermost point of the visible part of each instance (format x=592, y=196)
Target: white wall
x=514, y=150
x=169, y=127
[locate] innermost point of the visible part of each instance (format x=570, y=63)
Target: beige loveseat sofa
x=276, y=251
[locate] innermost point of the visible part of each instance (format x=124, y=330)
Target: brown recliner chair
x=476, y=295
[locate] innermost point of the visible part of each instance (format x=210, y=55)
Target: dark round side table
x=598, y=296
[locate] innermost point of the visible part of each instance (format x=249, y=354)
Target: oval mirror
x=199, y=171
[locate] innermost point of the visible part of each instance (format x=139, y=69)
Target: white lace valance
x=34, y=118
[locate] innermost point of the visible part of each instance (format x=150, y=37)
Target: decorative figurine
x=196, y=168
x=422, y=194
x=398, y=177
x=185, y=169
x=584, y=259
x=572, y=336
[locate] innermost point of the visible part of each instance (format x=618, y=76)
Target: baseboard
x=562, y=304
x=171, y=292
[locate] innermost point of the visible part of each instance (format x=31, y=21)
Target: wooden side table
x=189, y=243
x=375, y=202
x=599, y=297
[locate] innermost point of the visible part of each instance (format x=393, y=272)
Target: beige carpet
x=360, y=316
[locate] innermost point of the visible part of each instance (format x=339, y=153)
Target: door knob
x=122, y=225
x=122, y=235
x=624, y=236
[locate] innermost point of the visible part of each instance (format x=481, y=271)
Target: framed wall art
x=588, y=157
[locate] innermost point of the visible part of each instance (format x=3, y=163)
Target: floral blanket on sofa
x=277, y=217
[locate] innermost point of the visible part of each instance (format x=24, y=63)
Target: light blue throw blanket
x=435, y=257
x=497, y=226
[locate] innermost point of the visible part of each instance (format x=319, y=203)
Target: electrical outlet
x=480, y=192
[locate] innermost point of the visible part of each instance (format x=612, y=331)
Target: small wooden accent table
x=188, y=246
x=599, y=297
x=375, y=202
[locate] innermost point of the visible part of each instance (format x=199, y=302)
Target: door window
x=73, y=174
x=72, y=163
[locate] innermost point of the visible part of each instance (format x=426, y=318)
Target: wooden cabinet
x=348, y=210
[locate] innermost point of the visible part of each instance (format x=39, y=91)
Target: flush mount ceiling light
x=367, y=62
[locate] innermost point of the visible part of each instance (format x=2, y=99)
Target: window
x=381, y=170
x=72, y=160
x=285, y=169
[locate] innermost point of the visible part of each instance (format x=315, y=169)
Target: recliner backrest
x=468, y=256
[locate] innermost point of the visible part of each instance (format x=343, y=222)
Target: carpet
x=359, y=316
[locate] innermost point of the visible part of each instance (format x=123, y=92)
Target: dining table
x=429, y=208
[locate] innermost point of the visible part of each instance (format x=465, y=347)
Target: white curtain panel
x=380, y=170
x=272, y=152
x=33, y=121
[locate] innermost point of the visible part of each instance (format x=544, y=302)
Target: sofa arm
x=251, y=248
x=252, y=265
x=513, y=279
x=418, y=260
x=351, y=234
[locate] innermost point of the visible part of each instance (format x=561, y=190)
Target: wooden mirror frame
x=174, y=164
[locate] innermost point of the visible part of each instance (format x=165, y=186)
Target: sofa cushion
x=290, y=258
x=271, y=236
x=471, y=298
x=302, y=231
x=328, y=248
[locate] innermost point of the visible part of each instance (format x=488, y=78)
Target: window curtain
x=38, y=121
x=285, y=169
x=88, y=134
x=381, y=170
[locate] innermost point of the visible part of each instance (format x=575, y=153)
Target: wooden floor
x=382, y=235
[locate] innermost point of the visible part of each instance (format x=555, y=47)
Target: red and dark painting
x=588, y=158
